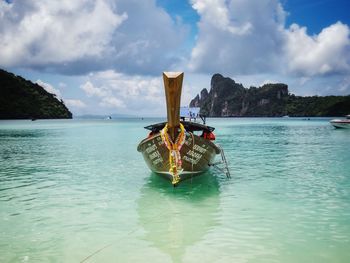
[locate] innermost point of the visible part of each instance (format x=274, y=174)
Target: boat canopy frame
x=189, y=126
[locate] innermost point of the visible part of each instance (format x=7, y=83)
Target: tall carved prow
x=173, y=87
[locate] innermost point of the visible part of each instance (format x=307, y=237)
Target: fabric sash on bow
x=174, y=151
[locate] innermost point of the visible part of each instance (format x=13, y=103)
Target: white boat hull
x=345, y=124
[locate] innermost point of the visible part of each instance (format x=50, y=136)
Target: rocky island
x=227, y=98
x=22, y=99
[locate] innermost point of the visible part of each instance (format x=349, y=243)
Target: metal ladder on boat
x=224, y=168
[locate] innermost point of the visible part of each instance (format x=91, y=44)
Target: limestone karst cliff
x=227, y=98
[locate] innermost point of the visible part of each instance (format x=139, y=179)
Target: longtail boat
x=178, y=149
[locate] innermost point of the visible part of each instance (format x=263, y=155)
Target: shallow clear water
x=78, y=191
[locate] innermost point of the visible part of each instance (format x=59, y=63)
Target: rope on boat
x=96, y=252
x=192, y=155
x=113, y=243
x=174, y=148
x=110, y=244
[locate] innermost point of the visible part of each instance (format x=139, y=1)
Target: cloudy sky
x=107, y=56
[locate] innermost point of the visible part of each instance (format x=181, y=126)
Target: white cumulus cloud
x=216, y=14
x=238, y=37
x=90, y=90
x=75, y=103
x=38, y=33
x=250, y=37
x=112, y=102
x=327, y=52
x=80, y=36
x=133, y=94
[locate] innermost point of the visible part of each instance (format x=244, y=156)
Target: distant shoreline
x=145, y=118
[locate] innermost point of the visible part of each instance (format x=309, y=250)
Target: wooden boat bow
x=172, y=149
x=173, y=87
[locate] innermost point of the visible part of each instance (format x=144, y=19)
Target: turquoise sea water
x=78, y=191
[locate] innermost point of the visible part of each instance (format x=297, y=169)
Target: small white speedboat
x=343, y=123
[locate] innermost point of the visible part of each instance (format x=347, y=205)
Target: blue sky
x=317, y=14
x=106, y=56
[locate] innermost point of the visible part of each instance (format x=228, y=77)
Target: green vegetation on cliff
x=318, y=106
x=22, y=99
x=227, y=98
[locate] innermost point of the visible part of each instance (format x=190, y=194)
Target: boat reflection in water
x=176, y=219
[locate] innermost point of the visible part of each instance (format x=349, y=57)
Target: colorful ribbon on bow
x=174, y=151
